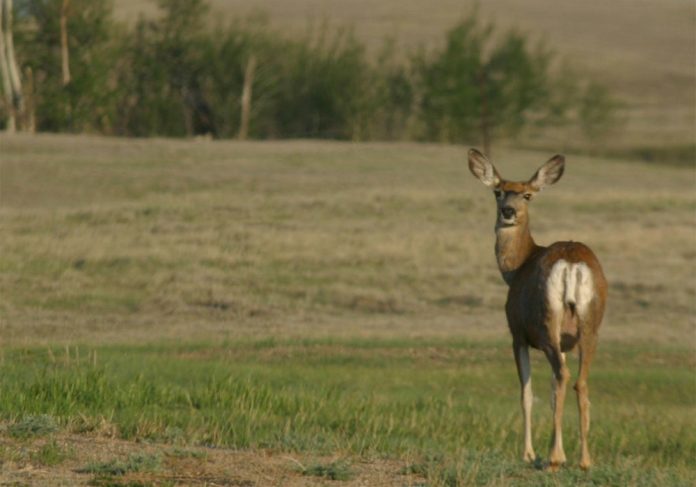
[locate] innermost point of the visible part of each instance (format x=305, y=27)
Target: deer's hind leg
x=559, y=382
x=524, y=370
x=586, y=350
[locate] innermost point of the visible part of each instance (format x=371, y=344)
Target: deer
x=555, y=302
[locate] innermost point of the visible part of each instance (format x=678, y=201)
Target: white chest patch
x=570, y=284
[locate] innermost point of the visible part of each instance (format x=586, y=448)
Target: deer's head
x=512, y=197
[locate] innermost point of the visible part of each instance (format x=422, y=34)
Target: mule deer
x=555, y=300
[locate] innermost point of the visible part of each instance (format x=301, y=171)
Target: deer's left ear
x=549, y=173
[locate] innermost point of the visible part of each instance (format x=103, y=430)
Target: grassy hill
x=131, y=240
x=646, y=51
x=287, y=313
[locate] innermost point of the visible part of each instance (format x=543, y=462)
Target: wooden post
x=64, y=52
x=10, y=69
x=5, y=74
x=246, y=97
x=30, y=106
x=17, y=93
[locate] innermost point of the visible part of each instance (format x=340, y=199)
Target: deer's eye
x=527, y=196
x=497, y=193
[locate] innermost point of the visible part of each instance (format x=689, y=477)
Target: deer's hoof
x=553, y=466
x=529, y=456
x=557, y=458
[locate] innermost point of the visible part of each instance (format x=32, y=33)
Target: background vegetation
x=174, y=75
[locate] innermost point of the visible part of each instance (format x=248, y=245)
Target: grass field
x=447, y=411
x=304, y=311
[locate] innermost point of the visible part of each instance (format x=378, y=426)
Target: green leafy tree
x=172, y=75
x=166, y=71
x=226, y=60
x=451, y=100
x=386, y=107
x=514, y=86
x=482, y=86
x=598, y=111
x=86, y=103
x=320, y=86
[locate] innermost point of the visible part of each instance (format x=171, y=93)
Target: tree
x=597, y=112
x=322, y=85
x=171, y=75
x=64, y=50
x=76, y=95
x=246, y=97
x=451, y=99
x=514, y=86
x=166, y=69
x=9, y=70
x=484, y=86
x=386, y=106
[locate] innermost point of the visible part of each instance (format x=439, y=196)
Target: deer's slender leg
x=524, y=372
x=559, y=382
x=587, y=346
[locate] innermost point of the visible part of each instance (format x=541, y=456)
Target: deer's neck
x=513, y=247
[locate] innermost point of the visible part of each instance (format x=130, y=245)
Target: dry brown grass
x=109, y=240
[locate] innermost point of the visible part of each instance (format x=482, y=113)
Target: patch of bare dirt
x=65, y=460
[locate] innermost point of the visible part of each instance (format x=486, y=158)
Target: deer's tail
x=570, y=286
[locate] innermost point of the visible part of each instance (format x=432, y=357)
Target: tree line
x=175, y=75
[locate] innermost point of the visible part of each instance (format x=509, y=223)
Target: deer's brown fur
x=556, y=298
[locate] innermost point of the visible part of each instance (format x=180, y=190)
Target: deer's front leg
x=524, y=372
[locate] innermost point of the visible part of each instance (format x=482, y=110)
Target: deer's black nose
x=508, y=212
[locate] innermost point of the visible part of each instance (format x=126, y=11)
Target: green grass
x=452, y=407
x=51, y=454
x=32, y=426
x=179, y=452
x=136, y=462
x=338, y=470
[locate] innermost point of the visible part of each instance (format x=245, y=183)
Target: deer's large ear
x=482, y=168
x=549, y=173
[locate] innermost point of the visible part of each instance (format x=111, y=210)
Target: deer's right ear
x=549, y=173
x=482, y=168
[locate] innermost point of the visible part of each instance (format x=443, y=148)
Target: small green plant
x=338, y=470
x=33, y=426
x=111, y=482
x=51, y=454
x=187, y=453
x=136, y=462
x=13, y=454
